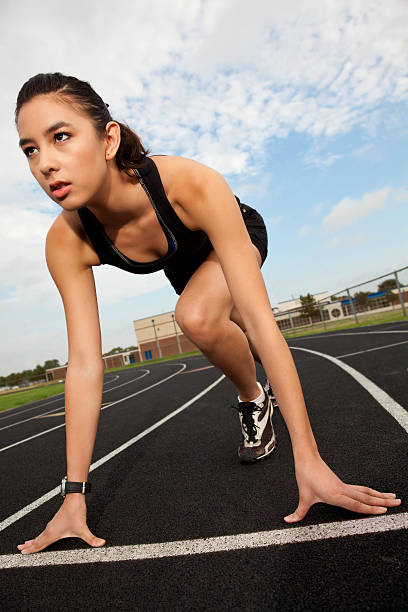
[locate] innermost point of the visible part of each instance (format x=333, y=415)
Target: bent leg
x=203, y=313
x=236, y=317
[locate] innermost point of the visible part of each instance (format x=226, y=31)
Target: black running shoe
x=258, y=435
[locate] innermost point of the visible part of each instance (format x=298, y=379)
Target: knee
x=201, y=329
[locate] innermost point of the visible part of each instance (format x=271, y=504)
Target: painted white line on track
x=378, y=348
x=146, y=372
x=334, y=335
x=38, y=502
x=41, y=433
x=200, y=546
x=63, y=407
x=385, y=401
x=55, y=398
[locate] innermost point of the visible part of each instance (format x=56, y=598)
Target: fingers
x=372, y=491
x=372, y=499
x=39, y=543
x=365, y=504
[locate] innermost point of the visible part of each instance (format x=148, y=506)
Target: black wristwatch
x=68, y=486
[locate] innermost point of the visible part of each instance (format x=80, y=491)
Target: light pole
x=157, y=340
x=175, y=329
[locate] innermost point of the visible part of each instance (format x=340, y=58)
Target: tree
x=309, y=305
x=51, y=363
x=117, y=349
x=361, y=298
x=388, y=284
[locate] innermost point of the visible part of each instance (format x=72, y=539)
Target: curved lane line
x=55, y=398
x=102, y=408
x=378, y=348
x=390, y=405
x=38, y=502
x=333, y=335
x=37, y=416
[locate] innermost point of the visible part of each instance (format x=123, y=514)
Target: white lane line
x=41, y=433
x=55, y=398
x=334, y=335
x=385, y=401
x=63, y=407
x=146, y=372
x=378, y=348
x=15, y=517
x=200, y=546
x=111, y=380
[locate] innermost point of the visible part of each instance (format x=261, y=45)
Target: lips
x=60, y=188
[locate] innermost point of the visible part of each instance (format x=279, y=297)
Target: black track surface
x=183, y=481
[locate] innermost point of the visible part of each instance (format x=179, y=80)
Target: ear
x=112, y=139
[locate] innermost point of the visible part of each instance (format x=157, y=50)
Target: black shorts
x=257, y=232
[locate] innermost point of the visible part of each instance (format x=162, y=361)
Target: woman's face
x=65, y=153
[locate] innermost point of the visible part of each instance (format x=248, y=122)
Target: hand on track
x=318, y=483
x=68, y=522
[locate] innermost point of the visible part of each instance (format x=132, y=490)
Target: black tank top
x=184, y=245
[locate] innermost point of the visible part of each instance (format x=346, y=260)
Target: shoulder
x=179, y=170
x=188, y=184
x=67, y=237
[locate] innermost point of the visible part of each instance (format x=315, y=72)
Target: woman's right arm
x=70, y=260
x=73, y=276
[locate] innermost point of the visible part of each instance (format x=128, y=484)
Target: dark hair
x=131, y=151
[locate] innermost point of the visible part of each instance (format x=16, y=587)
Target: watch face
x=63, y=481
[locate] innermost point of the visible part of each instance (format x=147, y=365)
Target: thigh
x=207, y=296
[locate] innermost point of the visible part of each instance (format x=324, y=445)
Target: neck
x=119, y=199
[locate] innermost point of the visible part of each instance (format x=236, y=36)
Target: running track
x=187, y=526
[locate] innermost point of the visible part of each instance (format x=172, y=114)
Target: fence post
x=322, y=317
x=400, y=296
x=352, y=307
x=157, y=340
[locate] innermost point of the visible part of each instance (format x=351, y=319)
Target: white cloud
x=215, y=81
x=305, y=230
x=349, y=210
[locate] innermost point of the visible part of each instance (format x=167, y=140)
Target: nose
x=48, y=162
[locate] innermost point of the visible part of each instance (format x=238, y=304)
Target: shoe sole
x=265, y=456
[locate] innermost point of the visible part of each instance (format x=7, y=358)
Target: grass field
x=18, y=398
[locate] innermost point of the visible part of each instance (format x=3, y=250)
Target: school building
x=157, y=336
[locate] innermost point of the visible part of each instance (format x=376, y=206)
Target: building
x=157, y=336
x=160, y=336
x=118, y=360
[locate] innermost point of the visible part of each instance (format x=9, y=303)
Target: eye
x=57, y=134
x=28, y=152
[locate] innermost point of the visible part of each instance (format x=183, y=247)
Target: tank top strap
x=150, y=180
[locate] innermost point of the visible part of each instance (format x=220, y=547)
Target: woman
x=142, y=213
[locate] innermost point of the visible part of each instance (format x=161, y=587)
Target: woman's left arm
x=211, y=206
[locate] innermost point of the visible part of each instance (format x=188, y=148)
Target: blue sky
x=301, y=106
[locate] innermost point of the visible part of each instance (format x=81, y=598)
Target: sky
x=301, y=105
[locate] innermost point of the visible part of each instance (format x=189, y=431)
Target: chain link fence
x=378, y=300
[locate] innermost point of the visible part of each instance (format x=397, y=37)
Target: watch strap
x=77, y=487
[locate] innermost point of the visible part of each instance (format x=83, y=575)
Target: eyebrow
x=49, y=130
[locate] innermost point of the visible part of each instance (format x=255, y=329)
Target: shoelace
x=247, y=409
